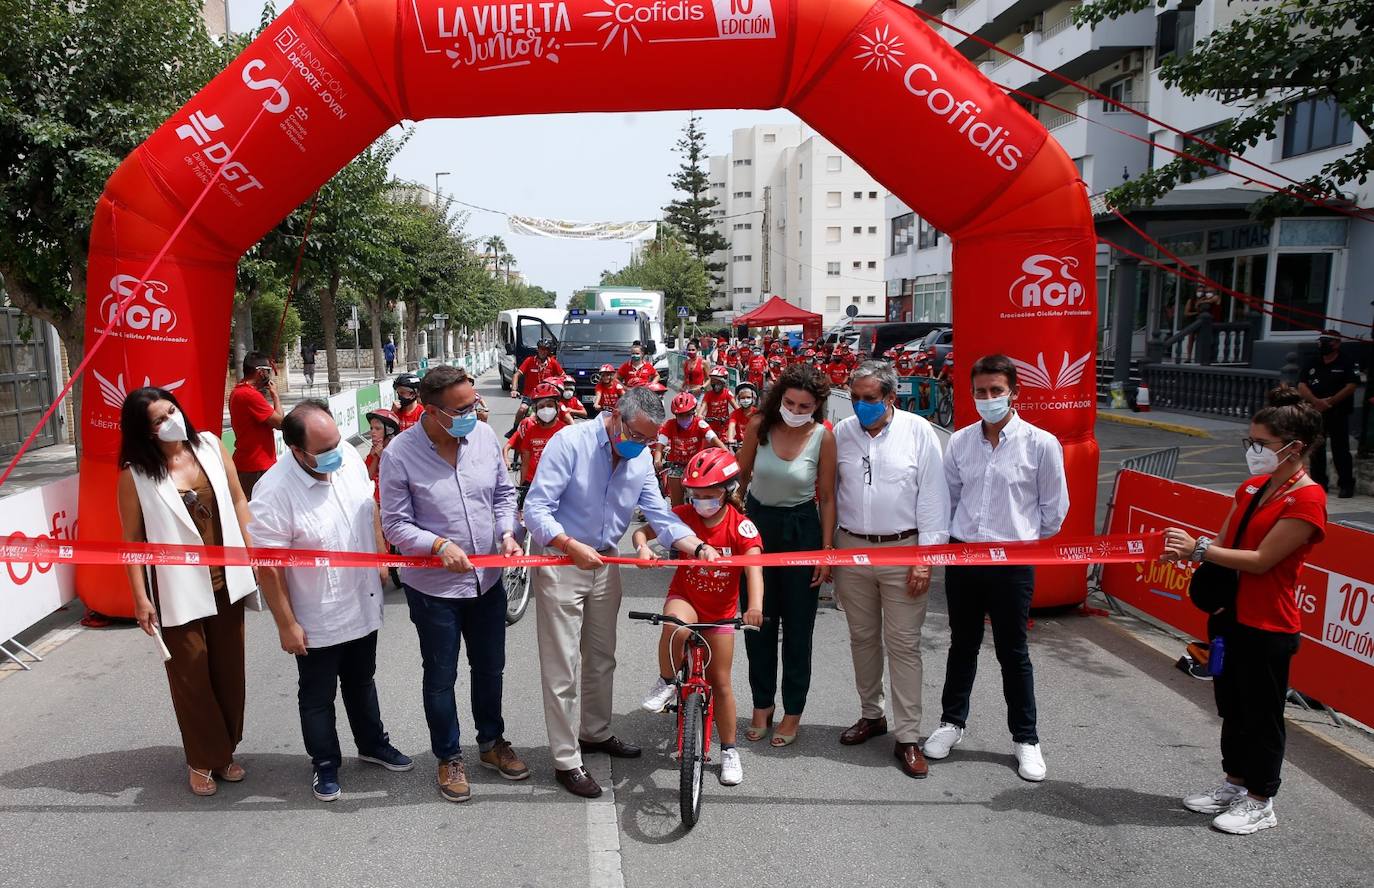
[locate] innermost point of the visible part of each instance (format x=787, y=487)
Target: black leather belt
x=880, y=537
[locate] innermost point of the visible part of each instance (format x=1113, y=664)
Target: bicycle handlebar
x=655, y=619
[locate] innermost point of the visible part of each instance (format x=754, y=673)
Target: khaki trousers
x=576, y=612
x=882, y=616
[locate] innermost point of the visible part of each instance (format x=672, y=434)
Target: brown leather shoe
x=863, y=730
x=612, y=746
x=502, y=758
x=913, y=763
x=453, y=781
x=578, y=782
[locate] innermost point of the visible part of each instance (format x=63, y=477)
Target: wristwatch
x=1203, y=544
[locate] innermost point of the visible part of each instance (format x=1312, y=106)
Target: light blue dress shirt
x=577, y=492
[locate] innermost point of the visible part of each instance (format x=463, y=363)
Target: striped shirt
x=1015, y=491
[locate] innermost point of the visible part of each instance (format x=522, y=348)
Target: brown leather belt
x=880, y=537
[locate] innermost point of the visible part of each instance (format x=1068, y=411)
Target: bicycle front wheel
x=692, y=766
x=944, y=414
x=516, y=581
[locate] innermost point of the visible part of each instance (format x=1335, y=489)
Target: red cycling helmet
x=719, y=373
x=390, y=422
x=545, y=390
x=684, y=402
x=607, y=368
x=712, y=467
x=655, y=386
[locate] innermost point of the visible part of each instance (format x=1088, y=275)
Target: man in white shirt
x=1006, y=483
x=890, y=491
x=321, y=498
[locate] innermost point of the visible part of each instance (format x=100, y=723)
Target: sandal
x=233, y=773
x=202, y=782
x=754, y=734
x=781, y=740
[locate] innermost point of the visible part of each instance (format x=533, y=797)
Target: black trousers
x=1004, y=595
x=351, y=666
x=789, y=603
x=1251, y=693
x=1336, y=428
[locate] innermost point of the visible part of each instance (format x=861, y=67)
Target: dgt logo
x=198, y=131
x=1047, y=281
x=143, y=312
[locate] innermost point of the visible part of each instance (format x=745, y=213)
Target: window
x=1313, y=124
x=901, y=233
x=832, y=234
x=743, y=226
x=872, y=195
x=928, y=301
x=872, y=299
x=832, y=303
x=1303, y=281
x=744, y=162
x=832, y=163
x=853, y=298
x=1122, y=90
x=858, y=195
x=801, y=205
x=744, y=194
x=743, y=290
x=745, y=257
x=872, y=229
x=832, y=199
x=858, y=229
x=770, y=137
x=1173, y=34
x=1221, y=160
x=927, y=236
x=799, y=237
x=858, y=265
x=801, y=171
x=872, y=265
x=832, y=269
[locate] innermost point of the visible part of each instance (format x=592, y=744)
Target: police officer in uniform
x=1328, y=384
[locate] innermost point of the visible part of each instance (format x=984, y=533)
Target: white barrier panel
x=29, y=591
x=839, y=406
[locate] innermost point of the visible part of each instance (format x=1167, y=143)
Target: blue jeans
x=349, y=665
x=442, y=625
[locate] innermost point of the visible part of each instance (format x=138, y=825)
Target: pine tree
x=690, y=214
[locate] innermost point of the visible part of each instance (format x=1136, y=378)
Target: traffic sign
x=682, y=311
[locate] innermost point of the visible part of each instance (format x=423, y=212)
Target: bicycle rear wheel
x=516, y=581
x=944, y=413
x=692, y=766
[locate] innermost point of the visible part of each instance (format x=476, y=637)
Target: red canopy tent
x=778, y=312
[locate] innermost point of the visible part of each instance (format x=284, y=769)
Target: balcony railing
x=1057, y=28
x=1057, y=119
x=1232, y=392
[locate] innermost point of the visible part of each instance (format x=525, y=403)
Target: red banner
x=1072, y=550
x=1335, y=663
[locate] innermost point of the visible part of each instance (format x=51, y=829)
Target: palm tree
x=496, y=247
x=509, y=260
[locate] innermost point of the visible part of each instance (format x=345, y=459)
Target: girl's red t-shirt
x=713, y=592
x=1269, y=600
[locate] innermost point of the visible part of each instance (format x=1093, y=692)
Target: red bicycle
x=695, y=709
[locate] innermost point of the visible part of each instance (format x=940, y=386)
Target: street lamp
x=436, y=187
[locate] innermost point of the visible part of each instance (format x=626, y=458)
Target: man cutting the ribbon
x=591, y=477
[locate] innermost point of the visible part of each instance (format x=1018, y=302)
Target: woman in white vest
x=173, y=488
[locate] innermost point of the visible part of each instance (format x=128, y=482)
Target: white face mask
x=707, y=507
x=795, y=420
x=568, y=393
x=173, y=428
x=1266, y=462
x=746, y=402
x=546, y=414
x=993, y=410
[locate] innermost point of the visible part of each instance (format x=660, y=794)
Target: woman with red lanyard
x=693, y=370
x=1286, y=512
x=608, y=389
x=718, y=403
x=679, y=439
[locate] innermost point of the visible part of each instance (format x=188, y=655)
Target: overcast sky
x=606, y=167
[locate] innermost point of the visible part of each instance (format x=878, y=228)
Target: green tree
x=1258, y=62
x=668, y=265
x=690, y=214
x=81, y=86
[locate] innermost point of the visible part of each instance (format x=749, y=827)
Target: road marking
x=48, y=642
x=603, y=827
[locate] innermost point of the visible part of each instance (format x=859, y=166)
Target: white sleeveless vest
x=184, y=591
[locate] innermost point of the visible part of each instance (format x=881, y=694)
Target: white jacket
x=184, y=591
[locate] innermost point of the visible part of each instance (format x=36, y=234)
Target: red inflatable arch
x=329, y=76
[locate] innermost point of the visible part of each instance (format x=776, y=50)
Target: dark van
x=878, y=338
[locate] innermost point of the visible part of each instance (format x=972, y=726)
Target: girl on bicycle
x=707, y=594
x=747, y=397
x=533, y=435
x=608, y=389
x=717, y=404
x=681, y=438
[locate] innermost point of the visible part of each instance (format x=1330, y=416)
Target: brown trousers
x=205, y=675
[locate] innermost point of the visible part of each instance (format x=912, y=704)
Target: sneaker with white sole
x=1030, y=764
x=659, y=696
x=1215, y=800
x=731, y=771
x=942, y=740
x=1246, y=816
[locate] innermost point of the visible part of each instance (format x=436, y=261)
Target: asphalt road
x=92, y=791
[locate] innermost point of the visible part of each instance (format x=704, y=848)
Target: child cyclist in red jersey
x=533, y=434
x=568, y=404
x=679, y=439
x=718, y=403
x=747, y=397
x=703, y=593
x=608, y=389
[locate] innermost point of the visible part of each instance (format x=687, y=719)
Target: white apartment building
x=1316, y=262
x=803, y=221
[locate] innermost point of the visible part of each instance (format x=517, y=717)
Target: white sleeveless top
x=184, y=591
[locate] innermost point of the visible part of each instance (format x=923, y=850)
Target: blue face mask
x=462, y=426
x=869, y=413
x=629, y=449
x=329, y=461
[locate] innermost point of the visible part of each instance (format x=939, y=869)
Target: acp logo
x=144, y=312
x=1047, y=282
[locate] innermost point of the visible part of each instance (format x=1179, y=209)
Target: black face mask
x=1328, y=346
x=405, y=402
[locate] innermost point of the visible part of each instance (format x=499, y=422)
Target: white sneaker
x=659, y=695
x=1030, y=764
x=1246, y=816
x=942, y=740
x=731, y=771
x=1215, y=800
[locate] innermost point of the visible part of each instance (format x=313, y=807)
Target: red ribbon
x=1111, y=548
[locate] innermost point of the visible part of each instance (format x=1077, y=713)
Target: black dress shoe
x=578, y=782
x=612, y=746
